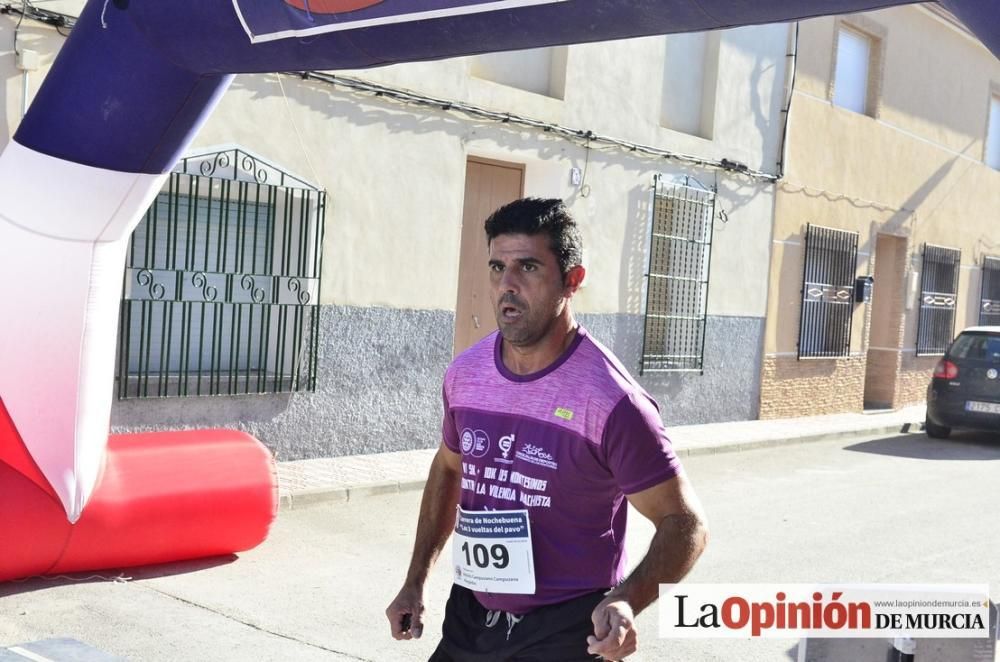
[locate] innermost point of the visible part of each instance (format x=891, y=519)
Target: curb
x=320, y=495
x=738, y=446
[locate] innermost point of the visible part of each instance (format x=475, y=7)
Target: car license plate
x=983, y=407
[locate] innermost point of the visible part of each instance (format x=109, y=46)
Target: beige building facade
x=665, y=150
x=887, y=176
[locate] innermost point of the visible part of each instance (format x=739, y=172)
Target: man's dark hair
x=546, y=216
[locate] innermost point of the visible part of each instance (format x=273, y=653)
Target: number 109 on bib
x=492, y=551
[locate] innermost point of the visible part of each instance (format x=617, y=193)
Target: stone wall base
x=791, y=387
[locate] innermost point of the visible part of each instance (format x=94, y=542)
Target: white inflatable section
x=64, y=230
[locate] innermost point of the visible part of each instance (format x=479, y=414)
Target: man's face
x=527, y=288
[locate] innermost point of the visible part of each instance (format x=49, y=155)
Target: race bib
x=492, y=553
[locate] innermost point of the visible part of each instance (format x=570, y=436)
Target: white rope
x=295, y=127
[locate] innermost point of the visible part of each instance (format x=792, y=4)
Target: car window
x=977, y=346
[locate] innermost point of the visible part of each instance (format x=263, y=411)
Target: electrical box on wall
x=863, y=286
x=28, y=60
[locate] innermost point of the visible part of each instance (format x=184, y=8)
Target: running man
x=545, y=436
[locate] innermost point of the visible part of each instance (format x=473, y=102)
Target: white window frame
x=847, y=77
x=991, y=149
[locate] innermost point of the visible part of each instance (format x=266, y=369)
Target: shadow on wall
x=923, y=192
x=765, y=125
x=355, y=108
x=729, y=387
x=634, y=261
x=732, y=196
x=789, y=294
x=768, y=72
x=627, y=339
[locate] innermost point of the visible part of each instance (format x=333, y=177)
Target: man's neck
x=529, y=359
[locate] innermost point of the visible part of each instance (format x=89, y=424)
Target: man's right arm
x=437, y=520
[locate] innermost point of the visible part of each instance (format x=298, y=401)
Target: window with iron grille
x=827, y=292
x=676, y=296
x=989, y=294
x=221, y=286
x=938, y=296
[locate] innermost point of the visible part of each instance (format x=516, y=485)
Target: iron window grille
x=989, y=295
x=676, y=284
x=827, y=308
x=938, y=297
x=222, y=283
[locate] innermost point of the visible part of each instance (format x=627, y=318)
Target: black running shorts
x=554, y=633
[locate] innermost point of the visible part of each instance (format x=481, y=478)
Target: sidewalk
x=343, y=478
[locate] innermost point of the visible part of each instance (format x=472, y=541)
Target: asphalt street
x=898, y=509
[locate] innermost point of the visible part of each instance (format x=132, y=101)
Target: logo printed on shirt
x=505, y=444
x=475, y=442
x=536, y=455
x=563, y=413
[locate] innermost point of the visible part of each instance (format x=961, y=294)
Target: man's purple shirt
x=566, y=443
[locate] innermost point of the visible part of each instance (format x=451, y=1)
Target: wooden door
x=488, y=185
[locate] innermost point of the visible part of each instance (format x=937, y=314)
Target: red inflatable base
x=162, y=497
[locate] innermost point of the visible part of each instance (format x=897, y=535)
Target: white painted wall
x=538, y=70
x=689, y=82
x=395, y=173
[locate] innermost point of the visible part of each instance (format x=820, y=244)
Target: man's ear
x=574, y=279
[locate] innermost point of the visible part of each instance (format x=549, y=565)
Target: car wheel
x=937, y=431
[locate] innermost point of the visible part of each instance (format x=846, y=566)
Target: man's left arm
x=681, y=536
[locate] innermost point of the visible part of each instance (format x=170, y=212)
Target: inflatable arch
x=127, y=93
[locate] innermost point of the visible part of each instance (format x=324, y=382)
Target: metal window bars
x=222, y=283
x=676, y=283
x=827, y=308
x=938, y=298
x=989, y=294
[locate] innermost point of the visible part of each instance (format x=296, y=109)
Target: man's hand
x=434, y=526
x=406, y=613
x=614, y=630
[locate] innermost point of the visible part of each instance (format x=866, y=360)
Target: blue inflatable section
x=131, y=95
x=115, y=100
